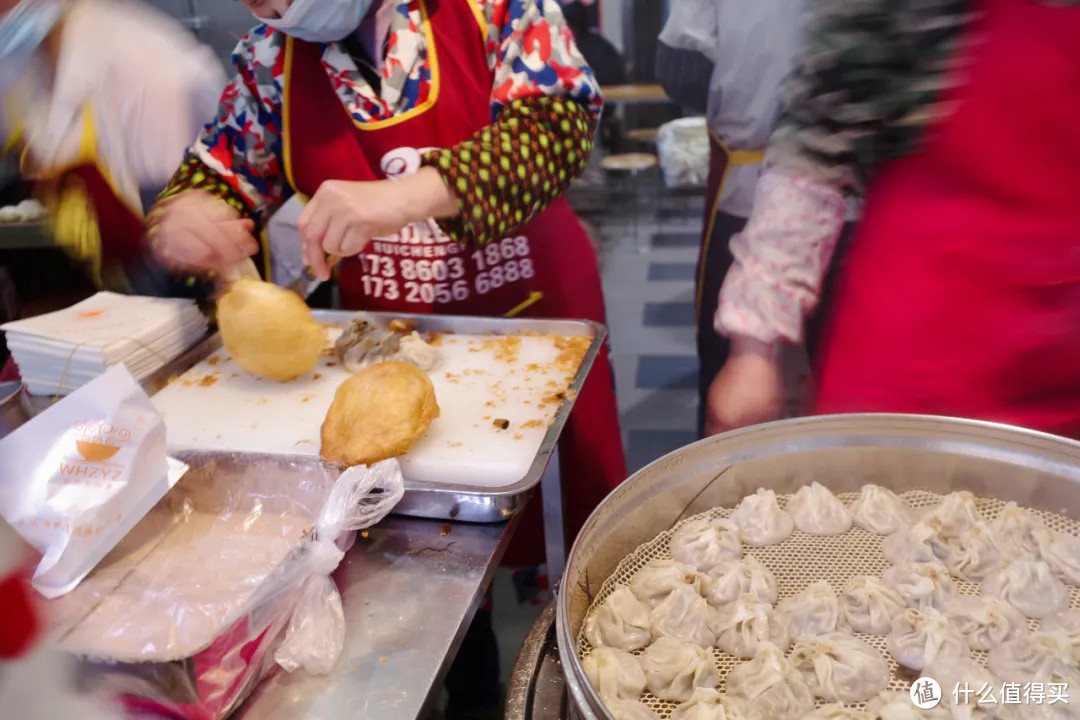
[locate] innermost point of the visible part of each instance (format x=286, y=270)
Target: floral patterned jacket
x=536, y=67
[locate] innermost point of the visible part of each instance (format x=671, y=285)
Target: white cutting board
x=217, y=406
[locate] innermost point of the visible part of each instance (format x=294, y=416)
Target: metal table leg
x=554, y=523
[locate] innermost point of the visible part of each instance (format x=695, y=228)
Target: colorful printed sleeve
x=545, y=104
x=238, y=156
x=781, y=257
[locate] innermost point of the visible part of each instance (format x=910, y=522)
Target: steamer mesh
x=802, y=559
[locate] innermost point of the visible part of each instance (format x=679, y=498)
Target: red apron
x=421, y=270
x=961, y=294
x=120, y=226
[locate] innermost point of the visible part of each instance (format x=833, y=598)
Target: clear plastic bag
x=683, y=148
x=316, y=633
x=172, y=631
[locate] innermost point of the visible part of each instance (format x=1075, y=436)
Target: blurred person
x=605, y=60
x=431, y=144
x=37, y=681
x=960, y=294
x=726, y=59
x=100, y=99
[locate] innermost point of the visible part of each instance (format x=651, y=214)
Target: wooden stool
x=643, y=135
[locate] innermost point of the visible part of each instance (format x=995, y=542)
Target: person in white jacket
x=100, y=99
x=727, y=58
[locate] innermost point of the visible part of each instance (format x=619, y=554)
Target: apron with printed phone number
x=547, y=268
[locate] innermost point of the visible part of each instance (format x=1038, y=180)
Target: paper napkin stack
x=62, y=351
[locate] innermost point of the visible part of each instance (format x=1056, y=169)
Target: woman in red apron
x=434, y=139
x=391, y=126
x=961, y=292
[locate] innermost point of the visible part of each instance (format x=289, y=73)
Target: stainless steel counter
x=409, y=594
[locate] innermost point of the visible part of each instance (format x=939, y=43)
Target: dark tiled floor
x=677, y=239
x=668, y=314
x=672, y=372
x=661, y=271
x=645, y=446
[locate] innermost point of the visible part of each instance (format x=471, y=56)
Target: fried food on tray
x=369, y=340
x=269, y=330
x=378, y=413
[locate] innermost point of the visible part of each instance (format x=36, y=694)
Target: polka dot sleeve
x=194, y=174
x=513, y=169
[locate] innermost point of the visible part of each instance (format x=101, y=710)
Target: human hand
x=748, y=389
x=342, y=217
x=195, y=231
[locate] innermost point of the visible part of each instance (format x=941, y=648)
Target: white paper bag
x=75, y=479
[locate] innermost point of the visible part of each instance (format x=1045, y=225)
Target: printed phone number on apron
x=441, y=281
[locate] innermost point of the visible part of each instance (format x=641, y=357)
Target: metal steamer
x=843, y=452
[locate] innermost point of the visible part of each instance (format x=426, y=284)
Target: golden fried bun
x=378, y=413
x=269, y=330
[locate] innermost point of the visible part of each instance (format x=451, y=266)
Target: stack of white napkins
x=62, y=351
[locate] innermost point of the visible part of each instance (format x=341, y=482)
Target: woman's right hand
x=749, y=389
x=197, y=232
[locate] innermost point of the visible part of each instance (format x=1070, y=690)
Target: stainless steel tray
x=451, y=502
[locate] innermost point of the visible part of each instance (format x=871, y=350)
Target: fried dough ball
x=269, y=330
x=378, y=413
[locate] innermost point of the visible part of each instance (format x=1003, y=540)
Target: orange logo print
x=96, y=443
x=95, y=452
x=99, y=441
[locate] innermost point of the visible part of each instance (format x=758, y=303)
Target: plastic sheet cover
x=226, y=576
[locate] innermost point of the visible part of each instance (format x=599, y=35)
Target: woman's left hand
x=343, y=217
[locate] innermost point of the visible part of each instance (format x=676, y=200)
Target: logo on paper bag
x=98, y=442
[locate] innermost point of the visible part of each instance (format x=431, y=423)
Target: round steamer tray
x=802, y=559
x=920, y=458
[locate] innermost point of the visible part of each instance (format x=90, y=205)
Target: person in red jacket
x=960, y=293
x=35, y=681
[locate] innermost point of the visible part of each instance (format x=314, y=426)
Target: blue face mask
x=321, y=21
x=22, y=29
